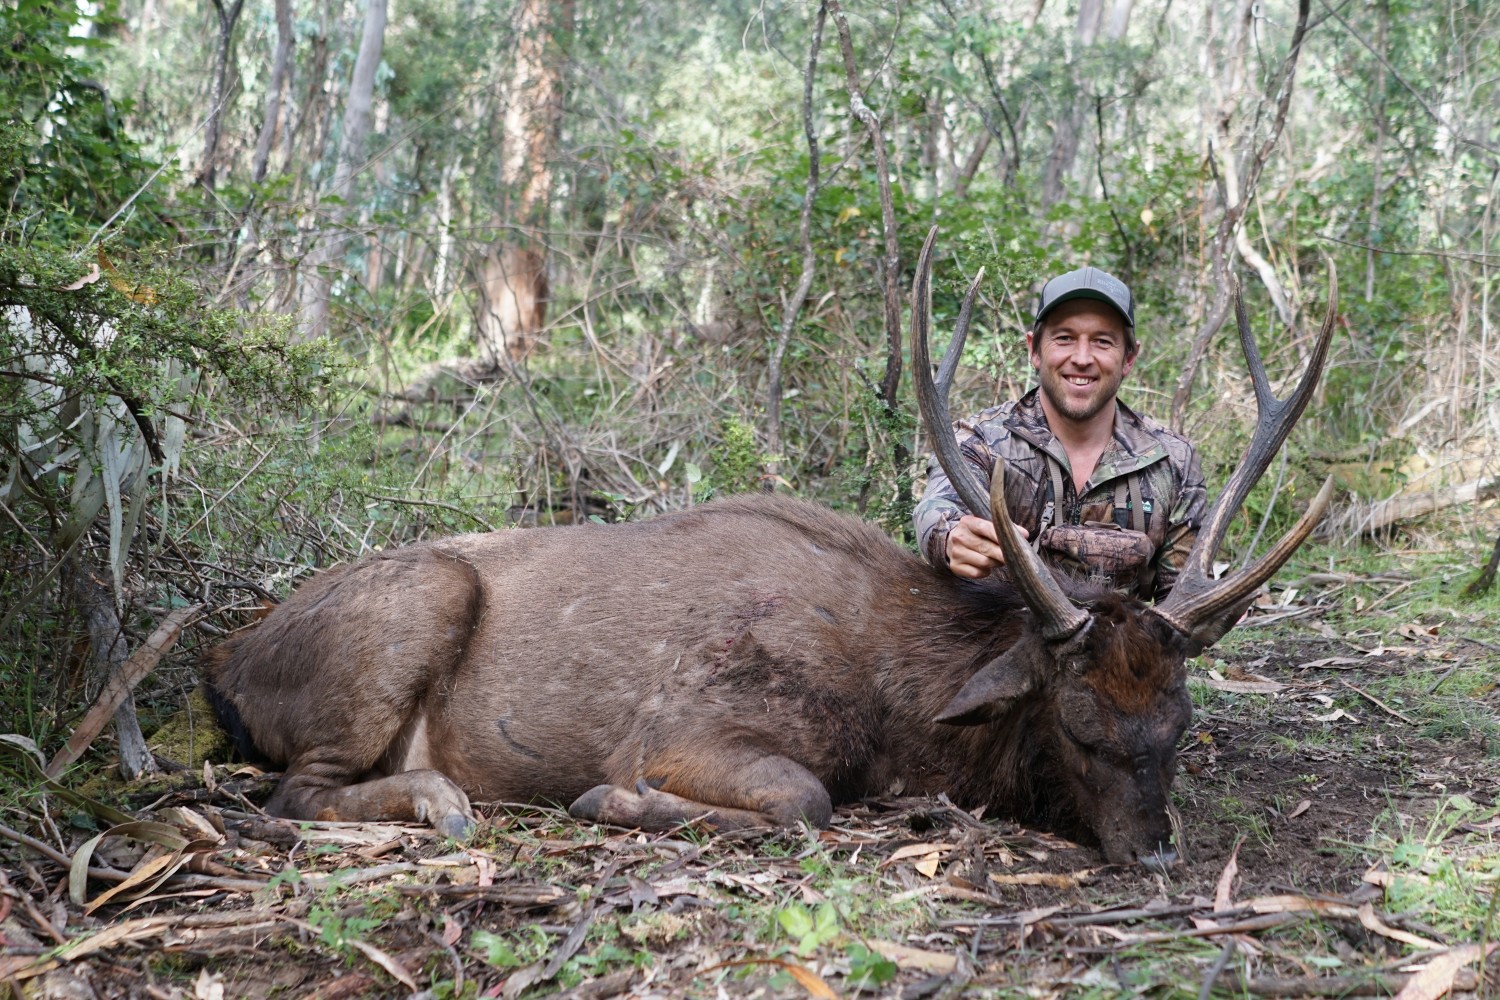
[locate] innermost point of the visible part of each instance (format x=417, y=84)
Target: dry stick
x=1217, y=970
x=1224, y=236
x=1388, y=595
x=1379, y=704
x=119, y=686
x=793, y=308
x=1382, y=983
x=891, y=271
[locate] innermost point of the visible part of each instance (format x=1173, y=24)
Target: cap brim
x=1084, y=293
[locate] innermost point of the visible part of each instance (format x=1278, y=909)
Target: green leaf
x=795, y=920
x=494, y=950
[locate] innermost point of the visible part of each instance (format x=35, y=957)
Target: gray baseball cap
x=1087, y=283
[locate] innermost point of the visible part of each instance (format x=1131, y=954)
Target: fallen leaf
x=1416, y=630
x=396, y=970
x=1299, y=809
x=913, y=851
x=908, y=957
x=1437, y=978
x=1301, y=904
x=1259, y=685
x=1222, y=897
x=209, y=986
x=929, y=865
x=1336, y=715
x=1330, y=661
x=806, y=978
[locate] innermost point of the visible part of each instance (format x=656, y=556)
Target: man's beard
x=1056, y=387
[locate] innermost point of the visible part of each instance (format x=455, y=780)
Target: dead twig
x=1379, y=704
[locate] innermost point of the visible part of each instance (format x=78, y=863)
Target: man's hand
x=973, y=548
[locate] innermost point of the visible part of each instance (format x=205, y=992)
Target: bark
x=208, y=173
x=107, y=651
x=356, y=132
x=793, y=307
x=286, y=42
x=1375, y=167
x=890, y=272
x=891, y=265
x=1065, y=139
x=971, y=166
x=1482, y=583
x=512, y=275
x=513, y=293
x=1235, y=204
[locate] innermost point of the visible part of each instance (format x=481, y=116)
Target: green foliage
x=76, y=165
x=737, y=462
x=811, y=929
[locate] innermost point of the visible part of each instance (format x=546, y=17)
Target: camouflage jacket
x=1171, y=484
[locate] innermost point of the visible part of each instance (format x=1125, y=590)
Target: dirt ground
x=1304, y=786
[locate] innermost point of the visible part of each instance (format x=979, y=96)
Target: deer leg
x=733, y=790
x=421, y=796
x=337, y=684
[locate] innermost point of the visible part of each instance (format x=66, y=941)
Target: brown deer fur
x=755, y=660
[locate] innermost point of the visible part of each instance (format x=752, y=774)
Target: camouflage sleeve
x=1183, y=523
x=940, y=507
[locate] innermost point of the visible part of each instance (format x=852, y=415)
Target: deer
x=751, y=662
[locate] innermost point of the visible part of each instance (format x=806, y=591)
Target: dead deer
x=751, y=662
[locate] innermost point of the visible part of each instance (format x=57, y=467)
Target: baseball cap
x=1087, y=283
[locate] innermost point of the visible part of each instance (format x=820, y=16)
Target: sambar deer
x=750, y=662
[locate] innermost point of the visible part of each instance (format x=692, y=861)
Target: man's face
x=1081, y=355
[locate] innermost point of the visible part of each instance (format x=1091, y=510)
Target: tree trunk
x=286, y=43
x=107, y=650
x=512, y=301
x=207, y=174
x=794, y=305
x=512, y=275
x=1372, y=235
x=1070, y=122
x=356, y=131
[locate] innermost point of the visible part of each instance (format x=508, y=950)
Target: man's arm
x=1182, y=523
x=949, y=535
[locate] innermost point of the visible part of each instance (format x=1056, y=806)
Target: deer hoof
x=593, y=804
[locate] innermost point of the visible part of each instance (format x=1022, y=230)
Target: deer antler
x=1197, y=605
x=1060, y=617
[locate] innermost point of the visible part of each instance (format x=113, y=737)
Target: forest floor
x=1338, y=797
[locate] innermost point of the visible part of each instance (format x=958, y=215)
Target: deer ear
x=989, y=692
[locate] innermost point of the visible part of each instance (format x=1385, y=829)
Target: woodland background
x=285, y=282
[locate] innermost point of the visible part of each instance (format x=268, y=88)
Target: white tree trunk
x=330, y=246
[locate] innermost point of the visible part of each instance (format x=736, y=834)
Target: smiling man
x=1101, y=491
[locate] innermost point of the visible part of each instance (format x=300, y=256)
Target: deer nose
x=1160, y=861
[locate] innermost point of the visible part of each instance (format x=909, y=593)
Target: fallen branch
x=119, y=686
x=1362, y=518
x=1379, y=704
x=1377, y=983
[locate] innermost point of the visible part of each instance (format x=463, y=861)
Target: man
x=1101, y=491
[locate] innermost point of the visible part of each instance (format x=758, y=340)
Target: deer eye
x=1073, y=738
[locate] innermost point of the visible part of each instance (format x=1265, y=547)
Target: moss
x=192, y=735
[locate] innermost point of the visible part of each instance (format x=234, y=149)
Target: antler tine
x=1196, y=599
x=932, y=399
x=1060, y=617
